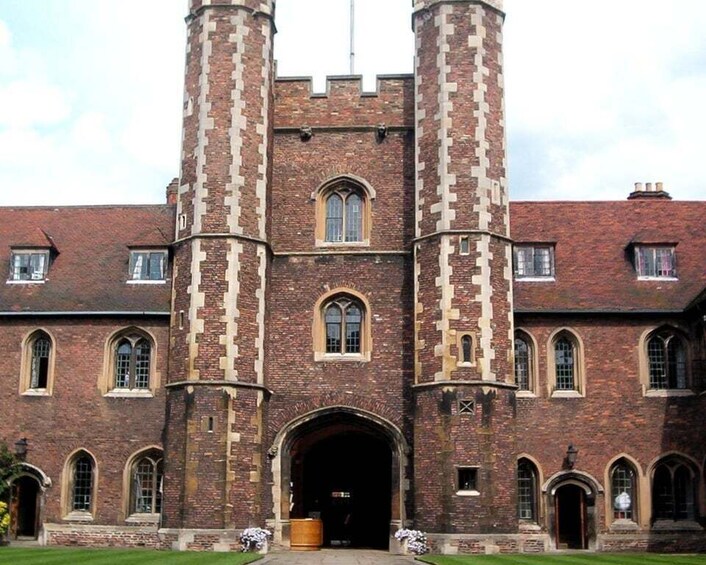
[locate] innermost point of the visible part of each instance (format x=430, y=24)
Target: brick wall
x=77, y=415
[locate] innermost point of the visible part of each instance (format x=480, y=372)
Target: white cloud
x=89, y=132
x=597, y=97
x=32, y=102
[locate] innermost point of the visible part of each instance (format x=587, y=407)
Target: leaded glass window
x=526, y=491
x=534, y=261
x=623, y=491
x=147, y=476
x=334, y=323
x=656, y=262
x=344, y=216
x=667, y=362
x=41, y=350
x=147, y=265
x=334, y=218
x=522, y=364
x=82, y=490
x=565, y=364
x=29, y=266
x=673, y=491
x=133, y=356
x=343, y=319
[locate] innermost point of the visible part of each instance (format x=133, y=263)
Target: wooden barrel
x=306, y=534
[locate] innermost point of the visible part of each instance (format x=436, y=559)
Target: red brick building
x=339, y=314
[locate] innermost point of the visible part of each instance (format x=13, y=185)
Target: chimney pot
x=638, y=187
x=173, y=191
x=648, y=187
x=660, y=186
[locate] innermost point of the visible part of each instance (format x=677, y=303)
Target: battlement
x=261, y=6
x=344, y=104
x=420, y=5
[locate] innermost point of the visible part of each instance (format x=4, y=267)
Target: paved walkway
x=336, y=557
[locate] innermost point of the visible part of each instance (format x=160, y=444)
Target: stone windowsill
x=623, y=525
x=129, y=393
x=672, y=526
x=566, y=394
x=525, y=394
x=668, y=392
x=78, y=516
x=529, y=527
x=139, y=518
x=36, y=392
x=467, y=493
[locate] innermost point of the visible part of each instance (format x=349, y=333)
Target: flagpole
x=352, y=32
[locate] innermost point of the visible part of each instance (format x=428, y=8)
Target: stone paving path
x=336, y=557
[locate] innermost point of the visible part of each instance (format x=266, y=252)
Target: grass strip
x=567, y=559
x=76, y=556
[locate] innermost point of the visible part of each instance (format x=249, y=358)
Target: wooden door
x=14, y=509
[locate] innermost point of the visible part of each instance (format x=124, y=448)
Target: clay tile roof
x=593, y=254
x=89, y=268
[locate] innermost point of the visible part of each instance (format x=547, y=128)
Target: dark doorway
x=571, y=518
x=25, y=507
x=345, y=479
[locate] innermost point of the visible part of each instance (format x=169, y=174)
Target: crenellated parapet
x=344, y=104
x=420, y=5
x=266, y=7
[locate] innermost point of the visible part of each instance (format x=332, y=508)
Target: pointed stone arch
x=317, y=421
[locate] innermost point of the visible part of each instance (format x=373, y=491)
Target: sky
x=599, y=95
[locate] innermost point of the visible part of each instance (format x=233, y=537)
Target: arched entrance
x=344, y=466
x=571, y=518
x=26, y=505
x=571, y=501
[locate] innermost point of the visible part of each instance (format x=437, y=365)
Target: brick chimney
x=173, y=191
x=649, y=192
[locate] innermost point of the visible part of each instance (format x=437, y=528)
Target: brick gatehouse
x=338, y=313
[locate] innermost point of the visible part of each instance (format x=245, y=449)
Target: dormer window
x=534, y=262
x=655, y=262
x=29, y=265
x=148, y=266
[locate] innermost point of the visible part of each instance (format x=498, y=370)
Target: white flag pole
x=352, y=32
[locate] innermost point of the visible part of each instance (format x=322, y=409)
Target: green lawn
x=60, y=556
x=568, y=559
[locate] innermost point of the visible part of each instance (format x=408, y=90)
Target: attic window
x=28, y=266
x=147, y=266
x=534, y=262
x=655, y=262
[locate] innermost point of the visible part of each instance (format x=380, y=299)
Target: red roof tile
x=90, y=270
x=593, y=260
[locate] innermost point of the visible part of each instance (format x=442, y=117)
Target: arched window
x=565, y=368
x=132, y=363
x=667, y=359
x=81, y=483
x=344, y=216
x=523, y=362
x=342, y=327
x=526, y=491
x=564, y=364
x=343, y=318
x=466, y=349
x=623, y=487
x=465, y=344
x=37, y=364
x=343, y=212
x=673, y=491
x=146, y=484
x=39, y=367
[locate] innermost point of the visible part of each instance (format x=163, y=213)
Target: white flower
x=254, y=538
x=416, y=540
